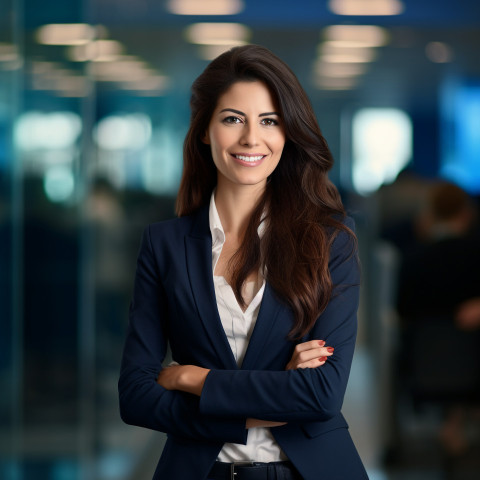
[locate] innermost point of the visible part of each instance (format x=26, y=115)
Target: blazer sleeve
x=143, y=402
x=302, y=395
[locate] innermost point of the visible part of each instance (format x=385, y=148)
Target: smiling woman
x=246, y=144
x=255, y=288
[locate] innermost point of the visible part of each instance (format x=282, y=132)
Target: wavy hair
x=303, y=208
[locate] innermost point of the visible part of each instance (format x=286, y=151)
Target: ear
x=206, y=138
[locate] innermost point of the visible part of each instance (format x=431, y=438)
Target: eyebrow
x=238, y=112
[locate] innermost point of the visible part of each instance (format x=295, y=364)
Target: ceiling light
x=366, y=7
x=127, y=70
x=209, y=52
x=98, y=51
x=326, y=83
x=154, y=83
x=356, y=35
x=205, y=7
x=65, y=34
x=8, y=52
x=217, y=34
x=339, y=70
x=332, y=54
x=348, y=58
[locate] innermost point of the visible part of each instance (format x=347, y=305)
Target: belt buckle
x=233, y=473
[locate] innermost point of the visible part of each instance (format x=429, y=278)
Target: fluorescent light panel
x=65, y=34
x=355, y=35
x=217, y=34
x=98, y=51
x=205, y=7
x=325, y=83
x=339, y=70
x=366, y=7
x=209, y=52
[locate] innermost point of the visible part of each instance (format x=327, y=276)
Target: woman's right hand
x=310, y=354
x=255, y=422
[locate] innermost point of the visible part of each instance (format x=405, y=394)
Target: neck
x=235, y=206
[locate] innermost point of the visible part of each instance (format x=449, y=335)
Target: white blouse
x=238, y=326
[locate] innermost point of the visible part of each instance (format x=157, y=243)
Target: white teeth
x=249, y=159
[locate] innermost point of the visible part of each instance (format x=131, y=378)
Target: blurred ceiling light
x=209, y=52
x=127, y=69
x=439, y=52
x=156, y=83
x=72, y=86
x=65, y=34
x=66, y=86
x=366, y=7
x=205, y=7
x=8, y=52
x=348, y=58
x=39, y=67
x=332, y=54
x=97, y=51
x=339, y=70
x=217, y=34
x=328, y=83
x=356, y=35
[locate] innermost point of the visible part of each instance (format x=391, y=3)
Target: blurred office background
x=93, y=110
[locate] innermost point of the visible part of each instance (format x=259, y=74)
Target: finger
x=307, y=355
x=314, y=363
x=301, y=347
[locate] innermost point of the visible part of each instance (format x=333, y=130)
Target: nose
x=249, y=135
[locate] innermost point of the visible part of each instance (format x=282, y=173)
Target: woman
x=254, y=288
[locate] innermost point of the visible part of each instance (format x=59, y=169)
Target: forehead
x=254, y=95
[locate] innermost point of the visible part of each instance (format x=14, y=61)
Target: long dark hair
x=304, y=210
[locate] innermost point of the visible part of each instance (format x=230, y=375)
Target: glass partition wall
x=78, y=181
x=11, y=318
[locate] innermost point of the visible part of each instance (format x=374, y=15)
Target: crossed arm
x=206, y=412
x=190, y=378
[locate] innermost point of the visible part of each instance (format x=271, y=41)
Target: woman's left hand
x=186, y=378
x=310, y=354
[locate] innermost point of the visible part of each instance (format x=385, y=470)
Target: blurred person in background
x=439, y=304
x=443, y=267
x=254, y=288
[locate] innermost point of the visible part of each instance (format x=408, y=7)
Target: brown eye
x=232, y=120
x=269, y=122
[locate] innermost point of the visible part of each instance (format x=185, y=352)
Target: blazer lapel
x=198, y=246
x=265, y=321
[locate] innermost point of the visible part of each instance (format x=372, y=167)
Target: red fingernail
x=330, y=349
x=321, y=343
x=322, y=359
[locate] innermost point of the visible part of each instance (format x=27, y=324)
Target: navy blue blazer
x=174, y=303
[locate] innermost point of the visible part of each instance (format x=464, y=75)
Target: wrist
x=192, y=379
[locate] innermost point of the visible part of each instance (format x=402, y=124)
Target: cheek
x=279, y=144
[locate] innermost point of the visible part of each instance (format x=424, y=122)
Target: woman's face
x=246, y=135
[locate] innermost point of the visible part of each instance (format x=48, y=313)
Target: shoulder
x=344, y=264
x=173, y=226
x=196, y=223
x=343, y=234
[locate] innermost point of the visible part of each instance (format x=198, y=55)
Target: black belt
x=253, y=471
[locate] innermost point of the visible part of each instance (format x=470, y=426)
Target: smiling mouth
x=249, y=158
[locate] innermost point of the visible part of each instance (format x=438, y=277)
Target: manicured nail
x=321, y=343
x=330, y=349
x=322, y=359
